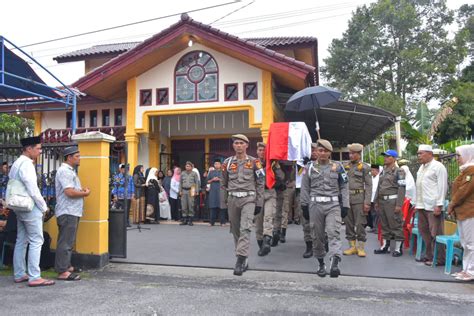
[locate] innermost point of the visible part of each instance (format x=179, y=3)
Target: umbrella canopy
x=312, y=98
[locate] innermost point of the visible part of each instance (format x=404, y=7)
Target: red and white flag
x=286, y=141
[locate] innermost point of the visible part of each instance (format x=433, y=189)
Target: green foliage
x=395, y=47
x=15, y=124
x=390, y=102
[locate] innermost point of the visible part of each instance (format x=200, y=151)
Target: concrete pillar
x=92, y=243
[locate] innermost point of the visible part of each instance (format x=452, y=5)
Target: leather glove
x=258, y=209
x=305, y=209
x=344, y=211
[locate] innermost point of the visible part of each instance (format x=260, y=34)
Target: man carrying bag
x=24, y=197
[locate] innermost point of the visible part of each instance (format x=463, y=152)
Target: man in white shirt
x=431, y=188
x=372, y=218
x=29, y=223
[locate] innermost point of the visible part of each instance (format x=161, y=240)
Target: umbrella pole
x=317, y=123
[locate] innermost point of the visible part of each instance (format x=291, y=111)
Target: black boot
x=245, y=265
x=184, y=222
x=322, y=268
x=385, y=248
x=334, y=270
x=259, y=242
x=239, y=265
x=276, y=238
x=398, y=252
x=190, y=221
x=309, y=250
x=266, y=248
x=283, y=236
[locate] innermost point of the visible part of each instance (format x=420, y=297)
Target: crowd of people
x=320, y=195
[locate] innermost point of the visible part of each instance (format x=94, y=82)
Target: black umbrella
x=312, y=98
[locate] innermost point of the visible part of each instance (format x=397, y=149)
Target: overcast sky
x=26, y=22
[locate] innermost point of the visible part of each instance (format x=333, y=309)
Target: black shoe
x=239, y=265
x=276, y=238
x=297, y=221
x=385, y=248
x=184, y=222
x=259, y=242
x=334, y=270
x=266, y=248
x=190, y=221
x=309, y=250
x=398, y=252
x=322, y=268
x=283, y=236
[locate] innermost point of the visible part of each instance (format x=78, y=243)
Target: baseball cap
x=391, y=153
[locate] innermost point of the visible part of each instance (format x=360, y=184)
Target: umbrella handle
x=317, y=123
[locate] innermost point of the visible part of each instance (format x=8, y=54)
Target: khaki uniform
x=264, y=220
x=391, y=193
x=289, y=199
x=244, y=183
x=321, y=189
x=360, y=193
x=189, y=182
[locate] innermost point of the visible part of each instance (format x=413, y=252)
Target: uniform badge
x=233, y=167
x=248, y=164
x=258, y=164
x=360, y=166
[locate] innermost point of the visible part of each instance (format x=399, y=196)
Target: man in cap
x=264, y=220
x=122, y=183
x=308, y=235
x=189, y=185
x=431, y=189
x=69, y=208
x=324, y=200
x=29, y=224
x=389, y=199
x=360, y=193
x=243, y=178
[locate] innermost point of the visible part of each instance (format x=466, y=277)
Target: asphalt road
x=163, y=290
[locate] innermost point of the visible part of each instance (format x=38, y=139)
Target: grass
x=48, y=274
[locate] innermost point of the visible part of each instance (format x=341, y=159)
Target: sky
x=27, y=22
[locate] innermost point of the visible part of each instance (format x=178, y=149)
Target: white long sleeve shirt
x=27, y=174
x=375, y=184
x=431, y=185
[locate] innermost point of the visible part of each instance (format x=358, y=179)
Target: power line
x=232, y=12
x=129, y=24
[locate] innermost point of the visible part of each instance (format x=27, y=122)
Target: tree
x=10, y=124
x=400, y=47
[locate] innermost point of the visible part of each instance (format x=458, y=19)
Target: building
x=180, y=94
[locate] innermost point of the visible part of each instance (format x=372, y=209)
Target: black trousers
x=214, y=212
x=67, y=225
x=175, y=206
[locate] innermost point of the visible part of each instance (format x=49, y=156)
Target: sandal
x=44, y=282
x=70, y=277
x=22, y=279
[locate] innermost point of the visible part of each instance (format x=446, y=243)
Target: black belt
x=186, y=188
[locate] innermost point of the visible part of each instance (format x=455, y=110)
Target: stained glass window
x=196, y=78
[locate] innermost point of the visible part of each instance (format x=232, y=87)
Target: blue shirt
x=3, y=185
x=119, y=186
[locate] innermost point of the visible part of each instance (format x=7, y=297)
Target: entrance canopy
x=344, y=122
x=21, y=88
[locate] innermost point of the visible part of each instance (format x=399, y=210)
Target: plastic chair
x=420, y=244
x=449, y=241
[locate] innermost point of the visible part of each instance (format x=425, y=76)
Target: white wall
x=231, y=70
x=57, y=119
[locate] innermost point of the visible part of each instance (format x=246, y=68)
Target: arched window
x=196, y=78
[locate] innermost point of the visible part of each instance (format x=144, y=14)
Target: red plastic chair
x=407, y=211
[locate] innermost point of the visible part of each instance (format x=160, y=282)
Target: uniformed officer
x=264, y=220
x=390, y=195
x=323, y=187
x=188, y=187
x=278, y=218
x=360, y=193
x=243, y=178
x=308, y=235
x=288, y=199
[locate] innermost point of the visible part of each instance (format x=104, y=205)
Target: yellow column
x=153, y=151
x=130, y=134
x=267, y=104
x=93, y=233
x=37, y=117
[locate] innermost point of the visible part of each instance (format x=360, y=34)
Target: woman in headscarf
x=139, y=202
x=174, y=193
x=462, y=207
x=153, y=197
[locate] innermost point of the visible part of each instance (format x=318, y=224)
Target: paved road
x=160, y=290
